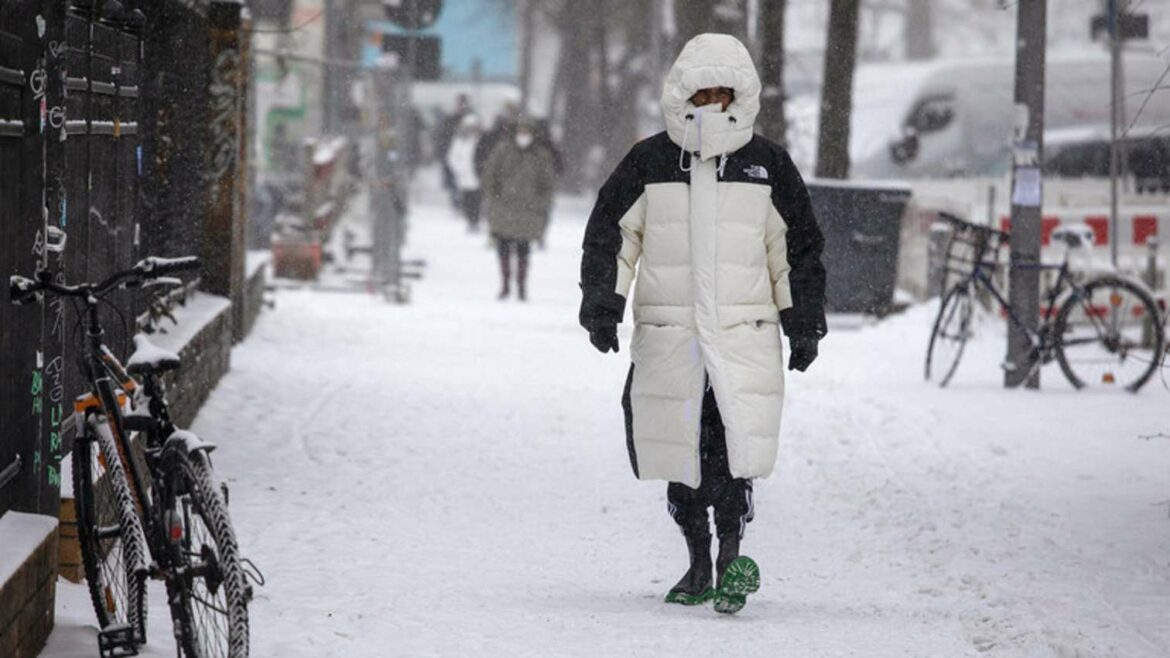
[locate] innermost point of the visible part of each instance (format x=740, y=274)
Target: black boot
x=728, y=551
x=695, y=586
x=738, y=576
x=505, y=273
x=522, y=276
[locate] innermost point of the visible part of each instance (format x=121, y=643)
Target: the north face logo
x=757, y=171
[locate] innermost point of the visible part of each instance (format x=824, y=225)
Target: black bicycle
x=1104, y=331
x=148, y=502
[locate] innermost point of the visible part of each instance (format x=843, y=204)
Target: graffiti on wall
x=224, y=120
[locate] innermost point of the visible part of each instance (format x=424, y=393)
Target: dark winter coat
x=518, y=190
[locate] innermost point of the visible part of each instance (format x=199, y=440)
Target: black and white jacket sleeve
x=613, y=243
x=806, y=317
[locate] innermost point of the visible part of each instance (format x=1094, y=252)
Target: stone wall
x=255, y=283
x=28, y=582
x=206, y=357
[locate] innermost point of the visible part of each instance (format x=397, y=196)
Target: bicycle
x=1106, y=333
x=152, y=507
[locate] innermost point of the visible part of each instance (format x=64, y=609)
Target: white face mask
x=524, y=140
x=710, y=108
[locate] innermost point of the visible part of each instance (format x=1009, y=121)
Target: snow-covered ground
x=450, y=478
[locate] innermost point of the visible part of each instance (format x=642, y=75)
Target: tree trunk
x=837, y=90
x=528, y=23
x=691, y=17
x=772, y=122
x=601, y=43
x=581, y=110
x=919, y=30
x=634, y=72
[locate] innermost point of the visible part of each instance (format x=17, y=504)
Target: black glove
x=804, y=352
x=604, y=339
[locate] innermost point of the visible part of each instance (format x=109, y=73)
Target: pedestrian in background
x=443, y=137
x=461, y=161
x=518, y=182
x=717, y=225
x=503, y=129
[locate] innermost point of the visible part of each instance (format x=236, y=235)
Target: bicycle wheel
x=1108, y=337
x=952, y=327
x=109, y=531
x=208, y=592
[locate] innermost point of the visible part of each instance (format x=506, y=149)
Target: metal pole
x=1114, y=119
x=1024, y=292
x=329, y=82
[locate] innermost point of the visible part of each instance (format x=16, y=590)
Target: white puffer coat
x=716, y=224
x=461, y=160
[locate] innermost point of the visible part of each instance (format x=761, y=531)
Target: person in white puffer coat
x=461, y=161
x=716, y=225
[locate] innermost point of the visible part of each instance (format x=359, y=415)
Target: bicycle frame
x=1037, y=338
x=106, y=376
x=158, y=494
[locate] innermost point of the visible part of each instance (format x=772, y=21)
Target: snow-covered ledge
x=257, y=265
x=203, y=340
x=28, y=581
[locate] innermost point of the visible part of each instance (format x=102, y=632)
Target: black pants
x=731, y=497
x=504, y=249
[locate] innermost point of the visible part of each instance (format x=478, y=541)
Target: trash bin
x=862, y=225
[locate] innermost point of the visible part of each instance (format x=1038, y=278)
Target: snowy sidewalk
x=450, y=478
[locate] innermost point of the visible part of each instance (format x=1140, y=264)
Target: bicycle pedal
x=117, y=641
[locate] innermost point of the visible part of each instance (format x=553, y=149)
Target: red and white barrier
x=1136, y=229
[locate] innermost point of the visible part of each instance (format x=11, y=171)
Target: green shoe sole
x=683, y=598
x=729, y=604
x=741, y=578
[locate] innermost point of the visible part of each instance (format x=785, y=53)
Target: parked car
x=955, y=117
x=1084, y=153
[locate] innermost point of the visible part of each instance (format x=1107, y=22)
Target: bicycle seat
x=150, y=359
x=1075, y=235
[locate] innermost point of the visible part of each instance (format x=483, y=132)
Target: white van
x=952, y=118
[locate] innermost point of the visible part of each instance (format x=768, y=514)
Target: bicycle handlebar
x=154, y=267
x=22, y=290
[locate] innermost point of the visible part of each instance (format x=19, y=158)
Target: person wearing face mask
x=518, y=183
x=716, y=224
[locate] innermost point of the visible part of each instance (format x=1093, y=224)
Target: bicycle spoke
x=110, y=539
x=1106, y=336
x=211, y=610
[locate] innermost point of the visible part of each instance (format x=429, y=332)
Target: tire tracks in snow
x=1005, y=618
x=923, y=533
x=299, y=430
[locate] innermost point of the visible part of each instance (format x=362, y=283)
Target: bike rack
x=10, y=472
